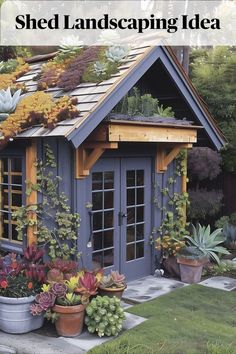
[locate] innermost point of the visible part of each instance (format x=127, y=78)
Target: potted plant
x=104, y=316
x=20, y=280
x=112, y=285
x=191, y=261
x=64, y=302
x=200, y=247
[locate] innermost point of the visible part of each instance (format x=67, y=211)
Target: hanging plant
x=39, y=108
x=10, y=71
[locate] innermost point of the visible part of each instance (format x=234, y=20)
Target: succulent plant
x=8, y=102
x=45, y=300
x=58, y=289
x=116, y=53
x=100, y=68
x=55, y=275
x=104, y=316
x=88, y=284
x=8, y=66
x=113, y=280
x=70, y=299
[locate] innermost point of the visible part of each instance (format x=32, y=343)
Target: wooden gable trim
x=31, y=176
x=164, y=158
x=127, y=81
x=88, y=154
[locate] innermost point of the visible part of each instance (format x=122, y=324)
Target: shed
x=112, y=162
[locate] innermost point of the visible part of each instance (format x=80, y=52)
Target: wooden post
x=31, y=176
x=184, y=188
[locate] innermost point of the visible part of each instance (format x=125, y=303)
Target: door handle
x=121, y=216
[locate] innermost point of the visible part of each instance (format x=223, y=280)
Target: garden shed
x=114, y=167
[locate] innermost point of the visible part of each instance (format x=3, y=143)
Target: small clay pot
x=118, y=292
x=70, y=320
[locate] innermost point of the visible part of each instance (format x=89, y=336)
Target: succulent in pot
x=61, y=304
x=8, y=102
x=113, y=284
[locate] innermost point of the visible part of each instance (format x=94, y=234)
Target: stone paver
x=88, y=341
x=149, y=288
x=223, y=283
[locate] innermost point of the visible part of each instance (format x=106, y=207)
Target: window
x=11, y=182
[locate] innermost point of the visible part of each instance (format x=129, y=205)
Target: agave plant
x=207, y=242
x=8, y=102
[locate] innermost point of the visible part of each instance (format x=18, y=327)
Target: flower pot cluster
x=185, y=257
x=31, y=290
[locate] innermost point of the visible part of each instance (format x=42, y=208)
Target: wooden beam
x=88, y=154
x=31, y=177
x=163, y=159
x=139, y=133
x=184, y=190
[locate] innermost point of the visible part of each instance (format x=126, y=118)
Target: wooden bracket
x=163, y=159
x=88, y=154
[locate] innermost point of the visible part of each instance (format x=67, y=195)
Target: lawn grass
x=190, y=320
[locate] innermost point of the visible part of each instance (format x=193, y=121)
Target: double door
x=120, y=218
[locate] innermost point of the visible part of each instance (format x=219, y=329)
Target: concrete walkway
x=46, y=341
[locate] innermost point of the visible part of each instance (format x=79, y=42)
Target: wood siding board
x=31, y=175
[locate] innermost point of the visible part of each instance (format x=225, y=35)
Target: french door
x=120, y=219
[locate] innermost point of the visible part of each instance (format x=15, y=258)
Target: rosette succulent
x=116, y=53
x=104, y=316
x=58, y=289
x=8, y=102
x=113, y=280
x=45, y=300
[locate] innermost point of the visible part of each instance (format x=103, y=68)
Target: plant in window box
x=113, y=285
x=20, y=280
x=64, y=303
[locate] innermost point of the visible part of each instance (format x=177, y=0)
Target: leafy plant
x=104, y=316
x=204, y=203
x=8, y=66
x=22, y=275
x=170, y=246
x=203, y=163
x=11, y=72
x=38, y=108
x=222, y=268
x=60, y=239
x=229, y=233
x=191, y=252
x=207, y=242
x=8, y=102
x=134, y=104
x=113, y=280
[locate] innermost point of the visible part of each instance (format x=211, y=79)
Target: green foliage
x=134, y=104
x=184, y=321
x=104, y=316
x=213, y=72
x=204, y=203
x=224, y=269
x=173, y=222
x=191, y=252
x=8, y=66
x=207, y=242
x=70, y=299
x=60, y=239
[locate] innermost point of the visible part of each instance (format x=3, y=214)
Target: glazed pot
x=118, y=292
x=70, y=320
x=191, y=269
x=15, y=316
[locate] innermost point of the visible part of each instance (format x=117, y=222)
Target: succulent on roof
x=8, y=102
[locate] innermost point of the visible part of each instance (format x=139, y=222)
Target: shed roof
x=97, y=100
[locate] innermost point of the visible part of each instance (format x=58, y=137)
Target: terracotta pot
x=191, y=269
x=118, y=292
x=70, y=320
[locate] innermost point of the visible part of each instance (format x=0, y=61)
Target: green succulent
x=7, y=67
x=207, y=242
x=104, y=316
